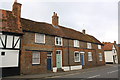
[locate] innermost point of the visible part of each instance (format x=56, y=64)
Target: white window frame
x=90, y=57
x=100, y=57
x=59, y=39
x=99, y=47
x=74, y=56
x=38, y=57
x=89, y=45
x=76, y=43
x=36, y=38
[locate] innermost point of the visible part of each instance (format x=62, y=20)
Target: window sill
x=76, y=46
x=40, y=43
x=77, y=61
x=89, y=61
x=35, y=64
x=58, y=45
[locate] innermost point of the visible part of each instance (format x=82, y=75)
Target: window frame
x=90, y=57
x=76, y=43
x=33, y=63
x=100, y=57
x=75, y=57
x=59, y=39
x=99, y=47
x=36, y=38
x=89, y=45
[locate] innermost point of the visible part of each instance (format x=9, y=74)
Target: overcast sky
x=98, y=17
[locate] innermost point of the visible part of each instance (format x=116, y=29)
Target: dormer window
x=76, y=43
x=58, y=41
x=89, y=45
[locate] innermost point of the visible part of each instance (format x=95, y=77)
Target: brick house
x=50, y=47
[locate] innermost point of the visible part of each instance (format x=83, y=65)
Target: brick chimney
x=17, y=12
x=55, y=20
x=83, y=31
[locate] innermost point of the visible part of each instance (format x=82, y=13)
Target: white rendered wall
x=108, y=56
x=11, y=58
x=76, y=67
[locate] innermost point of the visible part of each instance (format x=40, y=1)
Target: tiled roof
x=8, y=22
x=45, y=28
x=108, y=46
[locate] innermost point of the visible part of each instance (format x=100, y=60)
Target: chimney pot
x=83, y=31
x=53, y=13
x=114, y=42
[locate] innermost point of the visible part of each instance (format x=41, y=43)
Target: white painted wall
x=76, y=67
x=54, y=69
x=108, y=56
x=1, y=44
x=3, y=39
x=9, y=41
x=11, y=58
x=66, y=68
x=15, y=40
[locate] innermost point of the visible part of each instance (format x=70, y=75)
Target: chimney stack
x=17, y=12
x=55, y=20
x=83, y=31
x=17, y=9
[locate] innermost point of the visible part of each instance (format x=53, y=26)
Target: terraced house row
x=30, y=47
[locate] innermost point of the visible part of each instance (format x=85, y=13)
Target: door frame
x=61, y=57
x=82, y=54
x=51, y=60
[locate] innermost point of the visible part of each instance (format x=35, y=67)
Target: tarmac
x=49, y=75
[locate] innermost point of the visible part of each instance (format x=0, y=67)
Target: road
x=109, y=71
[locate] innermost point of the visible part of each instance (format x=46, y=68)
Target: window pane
x=39, y=38
x=58, y=41
x=89, y=46
x=76, y=43
x=36, y=58
x=77, y=57
x=99, y=46
x=89, y=56
x=100, y=56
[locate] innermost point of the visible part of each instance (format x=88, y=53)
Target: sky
x=98, y=17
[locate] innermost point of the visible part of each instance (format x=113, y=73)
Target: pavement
x=94, y=72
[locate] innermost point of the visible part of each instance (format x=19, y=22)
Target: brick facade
x=68, y=49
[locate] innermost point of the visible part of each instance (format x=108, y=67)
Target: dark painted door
x=49, y=63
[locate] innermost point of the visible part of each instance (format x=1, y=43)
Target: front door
x=83, y=60
x=59, y=59
x=49, y=61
